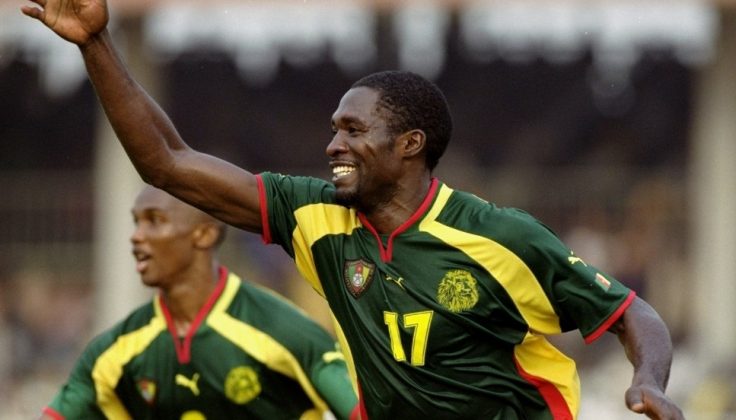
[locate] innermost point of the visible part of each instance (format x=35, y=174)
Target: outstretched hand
x=651, y=401
x=74, y=20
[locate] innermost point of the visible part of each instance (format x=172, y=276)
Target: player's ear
x=206, y=235
x=413, y=142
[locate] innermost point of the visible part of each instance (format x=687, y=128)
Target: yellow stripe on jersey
x=258, y=344
x=313, y=222
x=312, y=415
x=347, y=353
x=534, y=355
x=228, y=293
x=525, y=291
x=505, y=266
x=109, y=366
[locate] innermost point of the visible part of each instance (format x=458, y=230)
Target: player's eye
x=157, y=219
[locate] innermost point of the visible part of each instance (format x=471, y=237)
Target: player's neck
x=387, y=217
x=188, y=295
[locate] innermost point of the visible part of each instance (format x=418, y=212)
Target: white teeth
x=342, y=170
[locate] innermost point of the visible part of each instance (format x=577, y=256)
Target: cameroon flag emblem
x=357, y=276
x=602, y=281
x=147, y=389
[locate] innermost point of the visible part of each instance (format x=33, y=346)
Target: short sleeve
x=77, y=398
x=281, y=196
x=584, y=297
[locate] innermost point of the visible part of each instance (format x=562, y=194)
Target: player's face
x=365, y=165
x=163, y=245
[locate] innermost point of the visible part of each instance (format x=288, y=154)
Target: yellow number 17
x=420, y=322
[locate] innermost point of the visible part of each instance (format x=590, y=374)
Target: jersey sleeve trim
x=266, y=234
x=362, y=410
x=355, y=413
x=611, y=319
x=53, y=413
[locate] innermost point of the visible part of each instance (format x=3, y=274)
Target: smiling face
x=365, y=162
x=165, y=236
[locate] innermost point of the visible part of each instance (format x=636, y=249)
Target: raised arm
x=648, y=347
x=159, y=154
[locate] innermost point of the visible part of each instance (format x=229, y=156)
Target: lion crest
x=242, y=385
x=458, y=291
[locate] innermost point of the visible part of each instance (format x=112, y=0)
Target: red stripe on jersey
x=184, y=348
x=387, y=253
x=363, y=413
x=53, y=413
x=355, y=413
x=551, y=395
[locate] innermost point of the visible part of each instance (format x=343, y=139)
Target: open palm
x=74, y=20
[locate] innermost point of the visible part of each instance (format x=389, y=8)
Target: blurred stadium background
x=613, y=122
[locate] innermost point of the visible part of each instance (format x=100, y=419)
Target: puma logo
x=397, y=281
x=188, y=383
x=573, y=259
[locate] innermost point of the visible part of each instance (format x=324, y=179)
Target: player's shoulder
x=506, y=224
x=467, y=205
x=137, y=318
x=266, y=299
x=296, y=184
x=268, y=310
x=133, y=321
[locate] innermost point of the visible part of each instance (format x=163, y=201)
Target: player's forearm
x=145, y=131
x=647, y=343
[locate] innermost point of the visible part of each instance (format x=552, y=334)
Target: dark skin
x=389, y=178
x=175, y=248
x=382, y=175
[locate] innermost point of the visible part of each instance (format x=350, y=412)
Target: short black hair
x=414, y=103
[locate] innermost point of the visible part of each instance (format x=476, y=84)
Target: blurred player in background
x=209, y=345
x=445, y=300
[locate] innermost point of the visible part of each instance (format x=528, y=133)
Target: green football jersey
x=446, y=317
x=249, y=354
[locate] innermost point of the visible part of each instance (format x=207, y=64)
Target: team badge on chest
x=458, y=291
x=242, y=385
x=357, y=275
x=147, y=389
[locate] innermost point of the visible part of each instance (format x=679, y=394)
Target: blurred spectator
x=44, y=319
x=714, y=398
x=48, y=314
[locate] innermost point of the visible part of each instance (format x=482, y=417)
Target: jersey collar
x=184, y=346
x=386, y=252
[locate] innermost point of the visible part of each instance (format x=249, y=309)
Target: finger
x=653, y=404
x=637, y=407
x=635, y=400
x=33, y=12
